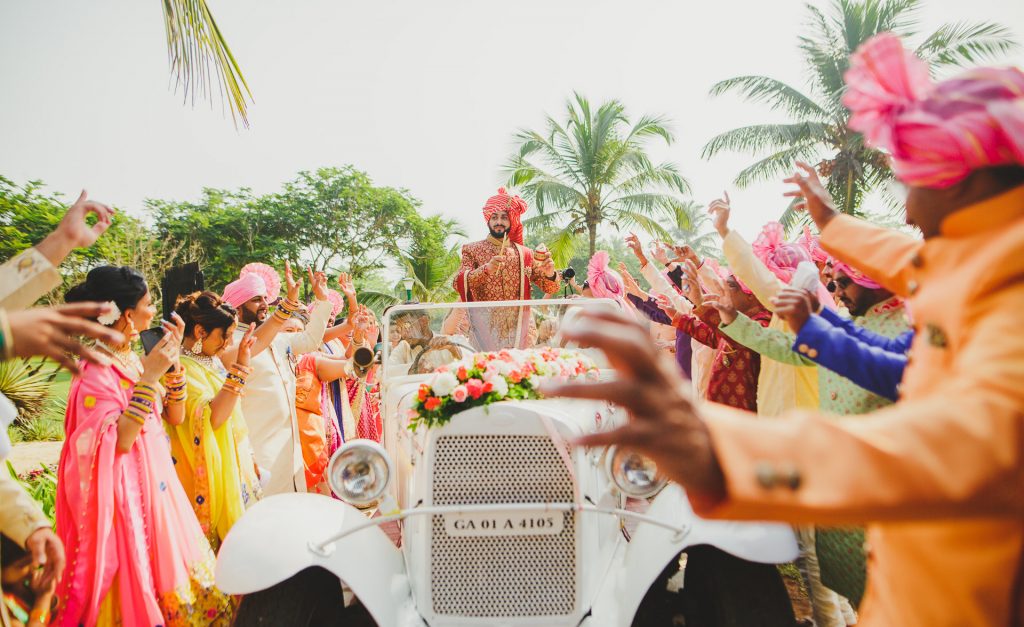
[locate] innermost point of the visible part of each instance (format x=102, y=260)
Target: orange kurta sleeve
x=955, y=453
x=879, y=252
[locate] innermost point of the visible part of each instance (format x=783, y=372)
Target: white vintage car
x=494, y=519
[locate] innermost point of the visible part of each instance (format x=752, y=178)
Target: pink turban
x=514, y=205
x=813, y=246
x=336, y=300
x=855, y=275
x=603, y=281
x=246, y=287
x=780, y=257
x=269, y=275
x=724, y=273
x=936, y=133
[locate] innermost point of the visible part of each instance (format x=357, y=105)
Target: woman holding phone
x=136, y=553
x=210, y=443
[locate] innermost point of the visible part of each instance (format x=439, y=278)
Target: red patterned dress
x=735, y=368
x=507, y=327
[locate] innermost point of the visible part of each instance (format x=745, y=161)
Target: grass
x=49, y=427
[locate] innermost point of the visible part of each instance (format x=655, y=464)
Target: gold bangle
x=134, y=417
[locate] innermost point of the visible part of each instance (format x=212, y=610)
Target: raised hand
x=159, y=360
x=665, y=305
x=318, y=281
x=812, y=195
x=690, y=285
x=720, y=209
x=245, y=346
x=292, y=286
x=794, y=306
x=660, y=253
x=177, y=330
x=634, y=244
x=348, y=288
x=50, y=332
x=632, y=287
x=74, y=232
x=683, y=253
x=723, y=303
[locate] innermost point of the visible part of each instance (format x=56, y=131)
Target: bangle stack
x=142, y=403
x=6, y=338
x=285, y=309
x=175, y=384
x=235, y=380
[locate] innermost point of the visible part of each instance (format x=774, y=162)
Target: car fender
x=271, y=542
x=652, y=547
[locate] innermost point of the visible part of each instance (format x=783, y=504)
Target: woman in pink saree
x=136, y=553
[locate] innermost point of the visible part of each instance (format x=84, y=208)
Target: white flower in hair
x=110, y=318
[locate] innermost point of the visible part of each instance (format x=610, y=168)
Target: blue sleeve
x=873, y=368
x=650, y=309
x=892, y=345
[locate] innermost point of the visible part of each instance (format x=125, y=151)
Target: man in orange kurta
x=938, y=477
x=502, y=268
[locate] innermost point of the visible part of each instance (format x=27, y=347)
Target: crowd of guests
x=888, y=370
x=244, y=394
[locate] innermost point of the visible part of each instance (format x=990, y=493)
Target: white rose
x=499, y=385
x=444, y=383
x=505, y=368
x=534, y=380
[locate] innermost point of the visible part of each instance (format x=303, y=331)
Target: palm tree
x=696, y=232
x=818, y=132
x=200, y=56
x=592, y=170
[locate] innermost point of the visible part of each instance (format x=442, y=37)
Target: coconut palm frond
x=200, y=57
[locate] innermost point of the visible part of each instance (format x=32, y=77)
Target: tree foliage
x=818, y=132
x=332, y=219
x=593, y=169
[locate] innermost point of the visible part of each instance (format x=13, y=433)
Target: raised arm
x=898, y=344
x=312, y=337
x=770, y=343
x=883, y=254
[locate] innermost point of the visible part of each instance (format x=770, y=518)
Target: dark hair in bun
x=121, y=284
x=205, y=309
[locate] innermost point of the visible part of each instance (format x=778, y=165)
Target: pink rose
x=460, y=393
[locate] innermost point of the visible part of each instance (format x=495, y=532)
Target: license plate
x=504, y=524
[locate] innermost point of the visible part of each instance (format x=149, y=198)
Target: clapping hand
x=720, y=209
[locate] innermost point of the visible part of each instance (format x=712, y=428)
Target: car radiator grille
x=501, y=576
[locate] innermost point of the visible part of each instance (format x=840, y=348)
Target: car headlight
x=632, y=473
x=359, y=472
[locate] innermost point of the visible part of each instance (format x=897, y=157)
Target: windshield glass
x=421, y=337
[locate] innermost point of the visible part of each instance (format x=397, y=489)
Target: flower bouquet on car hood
x=486, y=378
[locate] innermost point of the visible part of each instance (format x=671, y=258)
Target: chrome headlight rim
x=613, y=470
x=375, y=451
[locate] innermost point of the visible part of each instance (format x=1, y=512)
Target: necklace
x=199, y=358
x=127, y=358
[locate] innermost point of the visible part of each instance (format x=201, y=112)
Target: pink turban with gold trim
x=936, y=133
x=514, y=205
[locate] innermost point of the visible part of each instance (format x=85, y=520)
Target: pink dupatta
x=125, y=515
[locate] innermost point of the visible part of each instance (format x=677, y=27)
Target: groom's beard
x=498, y=234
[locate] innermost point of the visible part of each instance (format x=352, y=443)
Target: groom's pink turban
x=246, y=287
x=514, y=205
x=936, y=133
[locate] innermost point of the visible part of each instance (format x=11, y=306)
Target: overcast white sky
x=421, y=95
